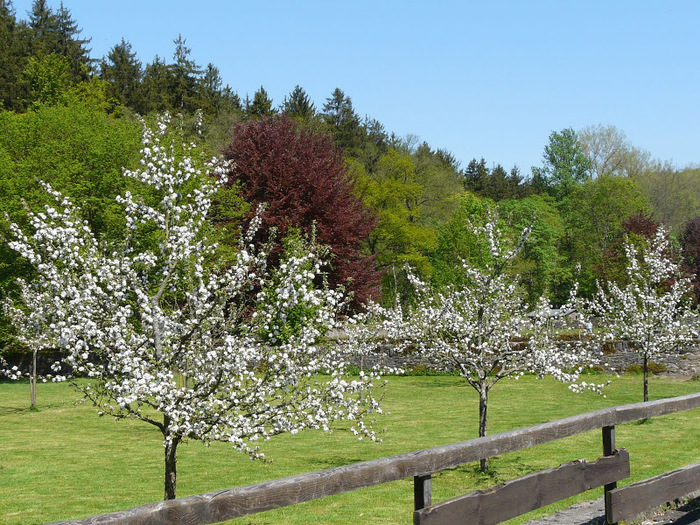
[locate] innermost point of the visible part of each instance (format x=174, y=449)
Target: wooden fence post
x=609, y=450
x=422, y=492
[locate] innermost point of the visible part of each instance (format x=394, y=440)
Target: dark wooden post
x=422, y=492
x=609, y=450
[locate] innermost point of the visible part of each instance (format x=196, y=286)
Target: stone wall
x=617, y=356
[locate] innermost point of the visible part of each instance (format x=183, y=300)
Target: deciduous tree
x=482, y=329
x=650, y=311
x=301, y=177
x=165, y=338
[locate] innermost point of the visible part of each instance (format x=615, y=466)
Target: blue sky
x=480, y=79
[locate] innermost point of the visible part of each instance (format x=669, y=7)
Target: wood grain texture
x=530, y=492
x=634, y=499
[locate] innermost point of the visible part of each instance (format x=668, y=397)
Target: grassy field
x=63, y=461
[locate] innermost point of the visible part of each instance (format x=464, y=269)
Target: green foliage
x=539, y=264
x=593, y=215
x=79, y=151
x=564, y=164
x=457, y=242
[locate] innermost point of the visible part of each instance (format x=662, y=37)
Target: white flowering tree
x=484, y=330
x=164, y=336
x=651, y=311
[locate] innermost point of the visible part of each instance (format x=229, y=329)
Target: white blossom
x=651, y=310
x=215, y=354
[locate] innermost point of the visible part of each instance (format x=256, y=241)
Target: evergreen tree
x=123, y=73
x=299, y=105
x=69, y=45
x=213, y=98
x=57, y=33
x=343, y=122
x=13, y=56
x=476, y=175
x=261, y=106
x=157, y=88
x=185, y=77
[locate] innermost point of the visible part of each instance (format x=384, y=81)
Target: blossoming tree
x=483, y=328
x=166, y=337
x=651, y=311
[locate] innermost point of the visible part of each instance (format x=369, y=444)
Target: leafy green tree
x=673, y=194
x=593, y=219
x=564, y=164
x=458, y=242
x=539, y=264
x=394, y=192
x=77, y=149
x=48, y=78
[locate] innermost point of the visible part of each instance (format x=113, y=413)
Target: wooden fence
x=498, y=504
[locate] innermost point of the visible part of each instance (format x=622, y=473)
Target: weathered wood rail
x=491, y=506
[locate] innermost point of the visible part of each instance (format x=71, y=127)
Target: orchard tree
x=167, y=338
x=650, y=311
x=483, y=330
x=302, y=178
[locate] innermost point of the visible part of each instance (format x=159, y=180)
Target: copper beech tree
x=301, y=177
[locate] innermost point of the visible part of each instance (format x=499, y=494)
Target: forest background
x=72, y=120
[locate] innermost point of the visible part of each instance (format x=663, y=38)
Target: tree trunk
x=171, y=468
x=646, y=378
x=483, y=407
x=32, y=383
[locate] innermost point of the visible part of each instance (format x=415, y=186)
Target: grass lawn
x=64, y=462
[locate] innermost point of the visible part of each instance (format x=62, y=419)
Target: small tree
x=166, y=337
x=650, y=311
x=482, y=328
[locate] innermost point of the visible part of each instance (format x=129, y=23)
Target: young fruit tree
x=157, y=332
x=484, y=331
x=651, y=311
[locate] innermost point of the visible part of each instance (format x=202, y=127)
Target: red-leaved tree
x=690, y=246
x=301, y=177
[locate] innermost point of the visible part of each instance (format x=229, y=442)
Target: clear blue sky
x=485, y=79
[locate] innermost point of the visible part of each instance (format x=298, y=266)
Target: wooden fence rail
x=223, y=505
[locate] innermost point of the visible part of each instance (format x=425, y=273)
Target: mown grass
x=63, y=461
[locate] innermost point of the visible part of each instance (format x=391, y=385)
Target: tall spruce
x=123, y=73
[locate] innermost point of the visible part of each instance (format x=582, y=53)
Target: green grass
x=64, y=462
